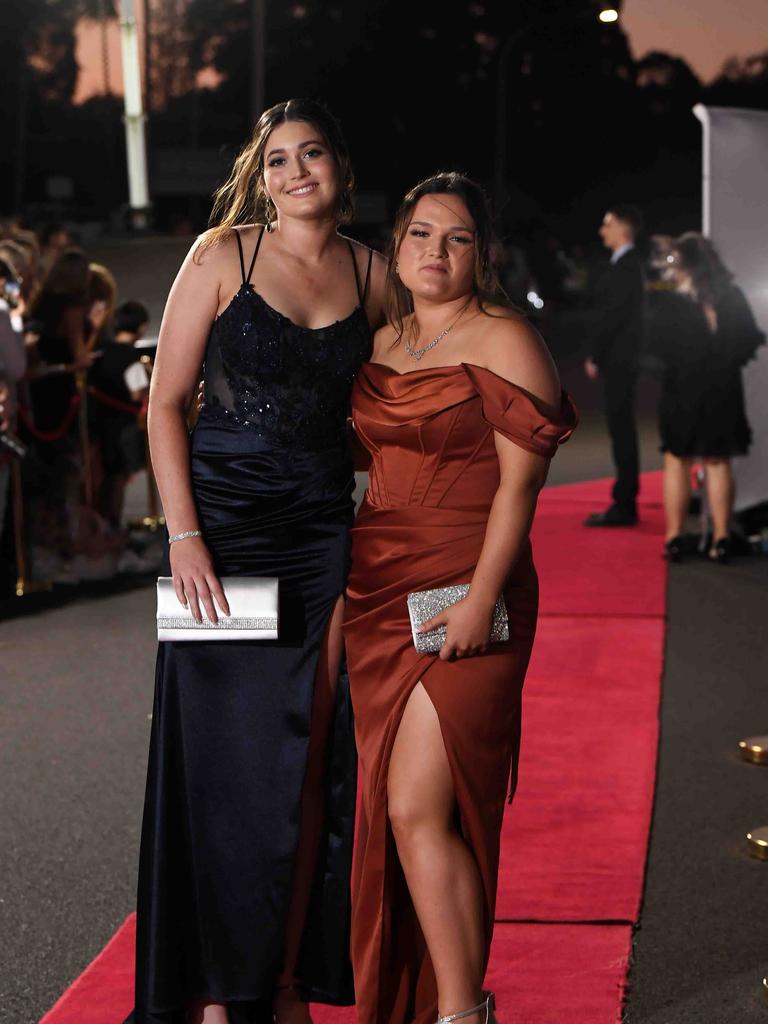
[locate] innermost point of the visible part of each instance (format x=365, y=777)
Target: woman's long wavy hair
x=243, y=198
x=486, y=284
x=709, y=275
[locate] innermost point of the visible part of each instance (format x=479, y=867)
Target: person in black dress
x=702, y=333
x=615, y=340
x=243, y=903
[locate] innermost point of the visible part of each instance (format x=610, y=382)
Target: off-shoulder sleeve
x=517, y=414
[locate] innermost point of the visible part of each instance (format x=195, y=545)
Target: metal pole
x=135, y=142
x=258, y=30
x=702, y=113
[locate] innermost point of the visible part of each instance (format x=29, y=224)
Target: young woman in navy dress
x=243, y=909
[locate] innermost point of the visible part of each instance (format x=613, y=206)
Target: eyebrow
x=455, y=227
x=301, y=145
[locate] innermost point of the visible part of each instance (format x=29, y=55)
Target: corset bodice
x=289, y=384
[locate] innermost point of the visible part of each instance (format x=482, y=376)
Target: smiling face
x=300, y=172
x=436, y=257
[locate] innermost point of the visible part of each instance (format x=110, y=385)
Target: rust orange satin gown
x=433, y=477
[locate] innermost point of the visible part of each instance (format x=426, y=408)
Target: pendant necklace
x=417, y=353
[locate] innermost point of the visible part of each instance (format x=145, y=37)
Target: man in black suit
x=615, y=342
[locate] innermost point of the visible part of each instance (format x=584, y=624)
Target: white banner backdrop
x=735, y=217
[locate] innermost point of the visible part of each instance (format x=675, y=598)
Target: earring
x=397, y=267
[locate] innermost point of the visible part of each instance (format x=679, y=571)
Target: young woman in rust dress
x=461, y=411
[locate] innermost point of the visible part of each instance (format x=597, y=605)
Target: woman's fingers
x=204, y=594
x=178, y=586
x=218, y=593
x=433, y=623
x=194, y=605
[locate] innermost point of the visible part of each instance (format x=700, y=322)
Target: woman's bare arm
x=518, y=354
x=189, y=313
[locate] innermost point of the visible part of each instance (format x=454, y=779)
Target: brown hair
x=486, y=284
x=243, y=198
x=711, y=278
x=65, y=285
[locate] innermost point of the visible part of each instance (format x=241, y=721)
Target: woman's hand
x=194, y=579
x=468, y=624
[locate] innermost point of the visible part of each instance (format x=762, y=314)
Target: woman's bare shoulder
x=363, y=253
x=383, y=340
x=215, y=247
x=510, y=346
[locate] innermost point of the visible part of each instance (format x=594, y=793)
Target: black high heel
x=673, y=549
x=720, y=552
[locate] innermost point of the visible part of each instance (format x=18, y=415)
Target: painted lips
x=302, y=190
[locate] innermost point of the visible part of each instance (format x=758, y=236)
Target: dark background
x=415, y=85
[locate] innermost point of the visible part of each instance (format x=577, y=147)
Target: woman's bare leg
x=677, y=493
x=289, y=1007
x=440, y=870
x=720, y=494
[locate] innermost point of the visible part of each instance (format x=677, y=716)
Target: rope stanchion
x=81, y=383
x=24, y=585
x=154, y=519
x=49, y=436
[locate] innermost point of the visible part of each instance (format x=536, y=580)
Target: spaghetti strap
x=247, y=280
x=367, y=277
x=240, y=254
x=360, y=297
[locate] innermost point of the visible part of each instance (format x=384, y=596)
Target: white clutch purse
x=425, y=604
x=253, y=606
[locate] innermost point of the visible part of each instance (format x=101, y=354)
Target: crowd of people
x=73, y=388
x=73, y=393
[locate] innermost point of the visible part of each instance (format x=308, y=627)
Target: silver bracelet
x=183, y=536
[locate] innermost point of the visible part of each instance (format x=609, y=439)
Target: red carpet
x=574, y=842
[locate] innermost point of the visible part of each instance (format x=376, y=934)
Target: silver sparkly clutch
x=425, y=604
x=252, y=604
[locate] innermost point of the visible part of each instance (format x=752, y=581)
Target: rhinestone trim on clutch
x=187, y=622
x=425, y=604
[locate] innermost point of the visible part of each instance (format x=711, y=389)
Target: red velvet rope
x=51, y=435
x=48, y=436
x=115, y=403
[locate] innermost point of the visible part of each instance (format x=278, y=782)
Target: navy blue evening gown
x=272, y=478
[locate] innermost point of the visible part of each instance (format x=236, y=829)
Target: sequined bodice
x=289, y=384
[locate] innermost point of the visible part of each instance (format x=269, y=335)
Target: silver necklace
x=417, y=353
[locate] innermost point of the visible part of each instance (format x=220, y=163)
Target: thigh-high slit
x=433, y=478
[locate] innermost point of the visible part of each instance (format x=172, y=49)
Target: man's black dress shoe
x=613, y=516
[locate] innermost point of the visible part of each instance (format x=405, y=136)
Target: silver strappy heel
x=488, y=1004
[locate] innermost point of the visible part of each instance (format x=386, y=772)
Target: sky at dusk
x=703, y=32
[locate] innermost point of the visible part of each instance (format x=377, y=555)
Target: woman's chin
x=436, y=291
x=308, y=209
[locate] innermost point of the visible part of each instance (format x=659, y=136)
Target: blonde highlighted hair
x=243, y=198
